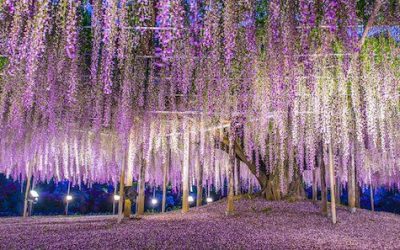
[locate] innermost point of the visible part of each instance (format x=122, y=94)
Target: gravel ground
x=257, y=224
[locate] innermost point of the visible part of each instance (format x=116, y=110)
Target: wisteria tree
x=271, y=93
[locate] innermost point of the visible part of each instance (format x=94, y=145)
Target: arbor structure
x=108, y=90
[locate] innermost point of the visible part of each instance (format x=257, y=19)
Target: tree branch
x=371, y=20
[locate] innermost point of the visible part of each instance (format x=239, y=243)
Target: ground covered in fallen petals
x=257, y=224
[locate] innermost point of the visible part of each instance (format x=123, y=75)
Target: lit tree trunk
x=185, y=172
x=332, y=182
x=27, y=190
x=141, y=185
x=165, y=179
x=351, y=183
x=230, y=207
x=324, y=200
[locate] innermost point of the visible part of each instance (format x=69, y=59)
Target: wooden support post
x=230, y=206
x=324, y=200
x=27, y=190
x=337, y=191
x=66, y=199
x=358, y=192
x=141, y=185
x=371, y=193
x=185, y=172
x=199, y=184
x=113, y=198
x=332, y=182
x=314, y=186
x=250, y=191
x=121, y=190
x=351, y=183
x=165, y=178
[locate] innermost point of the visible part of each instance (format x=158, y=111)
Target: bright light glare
x=117, y=197
x=209, y=200
x=34, y=194
x=154, y=201
x=69, y=197
x=190, y=199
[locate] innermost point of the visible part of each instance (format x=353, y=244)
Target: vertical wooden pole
x=337, y=191
x=314, y=186
x=165, y=178
x=67, y=201
x=27, y=190
x=230, y=206
x=324, y=201
x=199, y=184
x=121, y=189
x=113, y=199
x=185, y=172
x=141, y=184
x=371, y=193
x=332, y=182
x=250, y=191
x=351, y=183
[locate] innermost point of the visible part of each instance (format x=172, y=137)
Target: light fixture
x=34, y=194
x=69, y=198
x=209, y=200
x=190, y=198
x=116, y=197
x=154, y=201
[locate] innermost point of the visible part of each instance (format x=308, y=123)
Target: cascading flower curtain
x=83, y=81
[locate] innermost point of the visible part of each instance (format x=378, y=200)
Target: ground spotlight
x=69, y=197
x=209, y=200
x=117, y=197
x=154, y=201
x=190, y=198
x=34, y=194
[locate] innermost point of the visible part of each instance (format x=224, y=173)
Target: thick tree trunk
x=237, y=177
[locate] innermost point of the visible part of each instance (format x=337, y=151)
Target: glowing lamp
x=154, y=201
x=209, y=200
x=69, y=198
x=34, y=194
x=117, y=197
x=190, y=198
